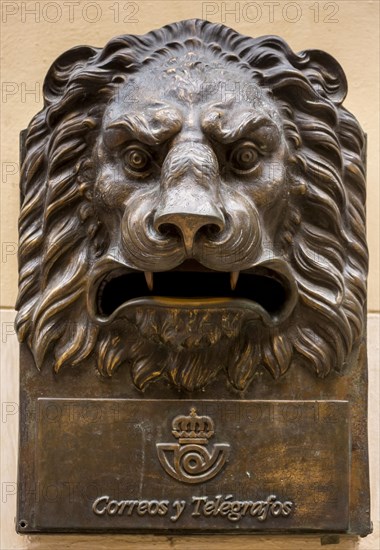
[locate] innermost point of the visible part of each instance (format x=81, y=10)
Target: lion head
x=193, y=203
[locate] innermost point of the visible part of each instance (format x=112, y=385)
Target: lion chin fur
x=201, y=345
x=322, y=235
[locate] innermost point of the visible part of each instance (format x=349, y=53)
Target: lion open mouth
x=192, y=284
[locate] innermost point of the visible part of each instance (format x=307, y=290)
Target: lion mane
x=323, y=233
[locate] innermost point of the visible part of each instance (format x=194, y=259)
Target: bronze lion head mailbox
x=192, y=291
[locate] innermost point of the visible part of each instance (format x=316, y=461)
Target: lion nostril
x=169, y=230
x=211, y=230
x=189, y=228
x=188, y=220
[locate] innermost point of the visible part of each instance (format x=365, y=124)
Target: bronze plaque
x=164, y=464
x=192, y=291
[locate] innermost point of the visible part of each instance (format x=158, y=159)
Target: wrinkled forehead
x=192, y=85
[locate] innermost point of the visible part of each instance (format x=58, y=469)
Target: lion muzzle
x=189, y=204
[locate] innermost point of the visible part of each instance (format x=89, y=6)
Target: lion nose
x=188, y=219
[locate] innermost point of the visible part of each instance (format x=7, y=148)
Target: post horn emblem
x=192, y=462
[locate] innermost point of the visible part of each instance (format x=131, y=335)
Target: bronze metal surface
x=192, y=233
x=154, y=477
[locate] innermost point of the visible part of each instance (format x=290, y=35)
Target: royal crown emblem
x=192, y=462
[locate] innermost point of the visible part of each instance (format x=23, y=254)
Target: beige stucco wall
x=34, y=33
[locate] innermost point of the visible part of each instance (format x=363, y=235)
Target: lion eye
x=137, y=159
x=244, y=157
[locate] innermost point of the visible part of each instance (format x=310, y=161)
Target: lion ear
x=325, y=74
x=62, y=69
